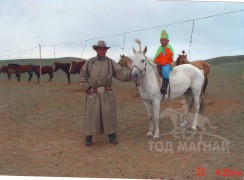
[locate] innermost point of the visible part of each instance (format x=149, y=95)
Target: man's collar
x=101, y=58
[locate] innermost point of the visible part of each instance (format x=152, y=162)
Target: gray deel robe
x=100, y=108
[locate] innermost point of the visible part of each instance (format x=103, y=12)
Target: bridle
x=143, y=70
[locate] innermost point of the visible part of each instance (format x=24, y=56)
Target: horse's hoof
x=194, y=127
x=183, y=124
x=155, y=136
x=149, y=133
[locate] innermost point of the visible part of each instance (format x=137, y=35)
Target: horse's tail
x=138, y=42
x=202, y=99
x=205, y=84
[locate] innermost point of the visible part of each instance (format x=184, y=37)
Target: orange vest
x=165, y=59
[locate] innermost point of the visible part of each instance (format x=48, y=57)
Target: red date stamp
x=227, y=172
x=224, y=172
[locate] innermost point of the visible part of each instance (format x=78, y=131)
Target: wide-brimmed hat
x=100, y=44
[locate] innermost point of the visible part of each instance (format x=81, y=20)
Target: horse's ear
x=145, y=50
x=134, y=51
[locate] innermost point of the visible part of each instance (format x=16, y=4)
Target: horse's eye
x=143, y=61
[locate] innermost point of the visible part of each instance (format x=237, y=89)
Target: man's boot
x=165, y=83
x=89, y=141
x=113, y=138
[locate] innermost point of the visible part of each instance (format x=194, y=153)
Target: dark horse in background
x=9, y=70
x=76, y=66
x=19, y=69
x=63, y=66
x=44, y=70
x=202, y=65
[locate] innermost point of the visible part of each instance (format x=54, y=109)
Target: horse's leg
x=30, y=74
x=137, y=88
x=156, y=109
x=149, y=111
x=38, y=77
x=51, y=77
x=18, y=77
x=68, y=76
x=188, y=105
x=196, y=97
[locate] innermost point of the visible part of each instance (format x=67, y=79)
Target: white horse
x=181, y=78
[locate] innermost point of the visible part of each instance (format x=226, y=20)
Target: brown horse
x=63, y=66
x=45, y=70
x=21, y=69
x=202, y=65
x=76, y=66
x=9, y=71
x=127, y=62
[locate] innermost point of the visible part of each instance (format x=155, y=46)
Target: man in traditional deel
x=100, y=106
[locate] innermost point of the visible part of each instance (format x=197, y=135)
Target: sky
x=26, y=24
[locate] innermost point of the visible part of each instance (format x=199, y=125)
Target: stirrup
x=163, y=91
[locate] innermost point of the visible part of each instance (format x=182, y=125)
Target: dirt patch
x=41, y=132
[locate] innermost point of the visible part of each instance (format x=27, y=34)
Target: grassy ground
x=41, y=131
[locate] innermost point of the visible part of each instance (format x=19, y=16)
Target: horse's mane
x=139, y=43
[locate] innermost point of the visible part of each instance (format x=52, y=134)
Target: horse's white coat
x=181, y=78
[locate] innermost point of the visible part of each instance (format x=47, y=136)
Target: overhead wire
x=133, y=31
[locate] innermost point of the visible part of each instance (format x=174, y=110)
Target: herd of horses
x=68, y=68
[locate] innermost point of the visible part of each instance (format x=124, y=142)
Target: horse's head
x=139, y=62
x=122, y=60
x=182, y=59
x=4, y=69
x=125, y=61
x=55, y=66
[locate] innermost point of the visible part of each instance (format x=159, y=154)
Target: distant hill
x=225, y=60
x=36, y=61
x=213, y=61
